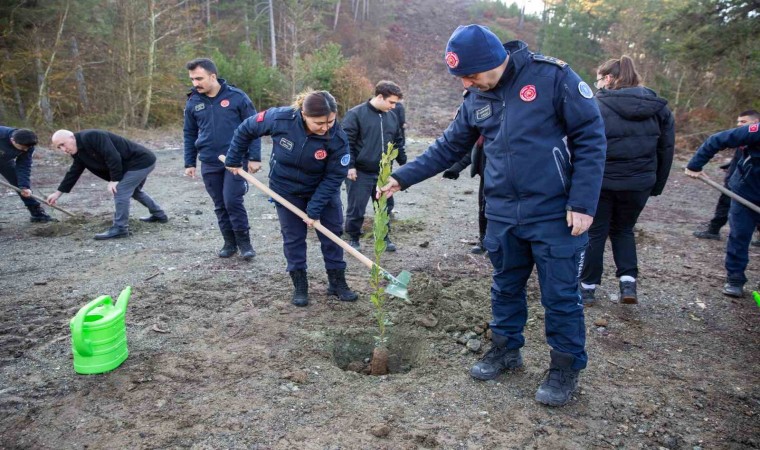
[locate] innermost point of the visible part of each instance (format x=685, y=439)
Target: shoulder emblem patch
x=452, y=60
x=345, y=160
x=320, y=154
x=753, y=128
x=483, y=113
x=260, y=116
x=528, y=93
x=225, y=103
x=585, y=90
x=200, y=107
x=286, y=144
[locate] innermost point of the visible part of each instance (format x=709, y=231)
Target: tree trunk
x=247, y=25
x=271, y=33
x=43, y=101
x=152, y=17
x=79, y=75
x=16, y=91
x=337, y=14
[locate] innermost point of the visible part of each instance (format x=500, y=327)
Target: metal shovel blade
x=397, y=286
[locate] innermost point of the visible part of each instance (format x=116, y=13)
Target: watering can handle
x=82, y=345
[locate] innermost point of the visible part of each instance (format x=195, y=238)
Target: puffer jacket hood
x=636, y=103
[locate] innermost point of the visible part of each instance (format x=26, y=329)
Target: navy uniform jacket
x=544, y=141
x=23, y=159
x=106, y=155
x=746, y=178
x=309, y=166
x=210, y=122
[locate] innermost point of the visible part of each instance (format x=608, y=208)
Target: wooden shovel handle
x=39, y=199
x=729, y=193
x=294, y=209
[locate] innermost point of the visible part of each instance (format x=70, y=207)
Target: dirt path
x=238, y=367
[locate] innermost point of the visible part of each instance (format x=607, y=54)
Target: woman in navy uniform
x=308, y=164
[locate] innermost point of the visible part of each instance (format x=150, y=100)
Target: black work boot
x=337, y=285
x=39, y=215
x=560, y=382
x=497, y=360
x=243, y=240
x=389, y=246
x=354, y=242
x=628, y=292
x=112, y=233
x=708, y=233
x=587, y=296
x=733, y=289
x=301, y=287
x=153, y=218
x=230, y=245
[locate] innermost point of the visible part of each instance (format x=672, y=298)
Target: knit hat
x=22, y=136
x=473, y=49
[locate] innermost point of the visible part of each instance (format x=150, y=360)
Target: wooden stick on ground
x=39, y=199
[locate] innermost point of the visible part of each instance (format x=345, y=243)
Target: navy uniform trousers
x=743, y=222
x=558, y=256
x=226, y=191
x=294, y=230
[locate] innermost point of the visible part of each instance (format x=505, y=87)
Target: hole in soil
x=353, y=351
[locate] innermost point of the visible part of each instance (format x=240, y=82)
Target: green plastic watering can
x=99, y=334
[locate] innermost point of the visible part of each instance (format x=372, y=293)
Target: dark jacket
x=400, y=112
x=476, y=160
x=210, y=123
x=544, y=141
x=305, y=165
x=369, y=130
x=10, y=155
x=640, y=134
x=106, y=155
x=745, y=180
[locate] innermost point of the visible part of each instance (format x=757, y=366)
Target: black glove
x=451, y=174
x=401, y=160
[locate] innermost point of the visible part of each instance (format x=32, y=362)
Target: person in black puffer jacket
x=640, y=133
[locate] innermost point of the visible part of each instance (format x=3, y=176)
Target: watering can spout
x=121, y=303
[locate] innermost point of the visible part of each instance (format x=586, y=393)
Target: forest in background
x=120, y=63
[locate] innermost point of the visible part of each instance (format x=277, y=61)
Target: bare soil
x=219, y=358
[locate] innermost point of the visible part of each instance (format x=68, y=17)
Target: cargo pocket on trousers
x=495, y=252
x=564, y=263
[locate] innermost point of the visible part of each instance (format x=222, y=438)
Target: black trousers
x=616, y=216
x=482, y=221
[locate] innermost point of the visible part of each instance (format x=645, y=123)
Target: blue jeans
x=558, y=256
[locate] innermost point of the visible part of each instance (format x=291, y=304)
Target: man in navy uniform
x=16, y=150
x=544, y=150
x=213, y=112
x=745, y=182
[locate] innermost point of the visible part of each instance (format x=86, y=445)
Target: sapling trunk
x=379, y=364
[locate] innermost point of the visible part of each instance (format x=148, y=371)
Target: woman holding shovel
x=640, y=134
x=308, y=164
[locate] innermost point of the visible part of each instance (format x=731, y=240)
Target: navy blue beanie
x=473, y=49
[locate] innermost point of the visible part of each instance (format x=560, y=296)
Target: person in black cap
x=545, y=151
x=123, y=163
x=16, y=150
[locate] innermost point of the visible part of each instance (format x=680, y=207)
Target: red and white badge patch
x=225, y=103
x=320, y=154
x=260, y=116
x=528, y=93
x=753, y=128
x=452, y=60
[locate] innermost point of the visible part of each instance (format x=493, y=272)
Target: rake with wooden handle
x=397, y=286
x=39, y=199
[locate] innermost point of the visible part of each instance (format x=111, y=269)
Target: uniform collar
x=326, y=137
